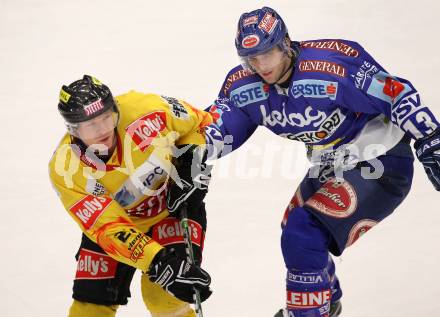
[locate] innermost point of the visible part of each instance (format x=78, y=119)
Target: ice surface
x=184, y=49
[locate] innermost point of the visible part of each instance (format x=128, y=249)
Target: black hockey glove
x=428, y=153
x=178, y=277
x=192, y=184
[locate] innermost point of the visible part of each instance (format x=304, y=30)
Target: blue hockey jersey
x=338, y=97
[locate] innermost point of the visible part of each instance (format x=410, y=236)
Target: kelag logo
x=314, y=89
x=249, y=93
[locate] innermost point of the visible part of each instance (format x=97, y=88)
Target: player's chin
x=268, y=79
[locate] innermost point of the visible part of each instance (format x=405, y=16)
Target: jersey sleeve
x=187, y=121
x=231, y=125
x=369, y=88
x=100, y=217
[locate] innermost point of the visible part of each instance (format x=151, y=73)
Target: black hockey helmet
x=85, y=99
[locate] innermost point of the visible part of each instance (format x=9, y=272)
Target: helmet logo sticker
x=268, y=23
x=250, y=20
x=250, y=41
x=64, y=96
x=93, y=107
x=96, y=81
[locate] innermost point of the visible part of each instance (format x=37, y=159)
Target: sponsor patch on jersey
x=169, y=231
x=149, y=207
x=314, y=88
x=293, y=119
x=365, y=71
x=134, y=241
x=250, y=93
x=268, y=23
x=94, y=107
x=334, y=199
x=88, y=209
x=359, y=229
x=94, y=187
x=307, y=300
x=144, y=181
x=322, y=67
x=336, y=46
x=250, y=20
x=137, y=246
x=239, y=74
x=146, y=128
x=325, y=130
x=177, y=109
x=217, y=108
x=93, y=265
x=250, y=41
x=387, y=88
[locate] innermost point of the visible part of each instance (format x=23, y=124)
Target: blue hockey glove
x=428, y=153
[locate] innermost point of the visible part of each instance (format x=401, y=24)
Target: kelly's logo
x=146, y=128
x=169, y=231
x=88, y=209
x=95, y=266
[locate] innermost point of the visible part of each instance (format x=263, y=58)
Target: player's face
x=271, y=65
x=99, y=132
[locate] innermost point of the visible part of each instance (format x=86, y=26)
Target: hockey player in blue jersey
x=357, y=122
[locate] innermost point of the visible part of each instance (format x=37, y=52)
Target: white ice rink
x=184, y=49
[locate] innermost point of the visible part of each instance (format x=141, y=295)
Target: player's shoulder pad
x=328, y=59
x=331, y=48
x=134, y=104
x=238, y=77
x=62, y=145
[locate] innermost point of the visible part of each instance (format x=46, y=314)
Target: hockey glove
x=428, y=153
x=178, y=277
x=192, y=184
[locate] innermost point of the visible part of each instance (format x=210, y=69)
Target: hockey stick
x=190, y=254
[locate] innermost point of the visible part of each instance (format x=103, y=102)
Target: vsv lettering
x=405, y=108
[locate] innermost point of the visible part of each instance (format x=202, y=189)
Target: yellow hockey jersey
x=115, y=203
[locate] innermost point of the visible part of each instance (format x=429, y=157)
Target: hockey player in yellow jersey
x=122, y=172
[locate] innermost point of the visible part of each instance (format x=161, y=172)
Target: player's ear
x=286, y=45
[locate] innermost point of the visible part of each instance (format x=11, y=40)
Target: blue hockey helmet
x=259, y=31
